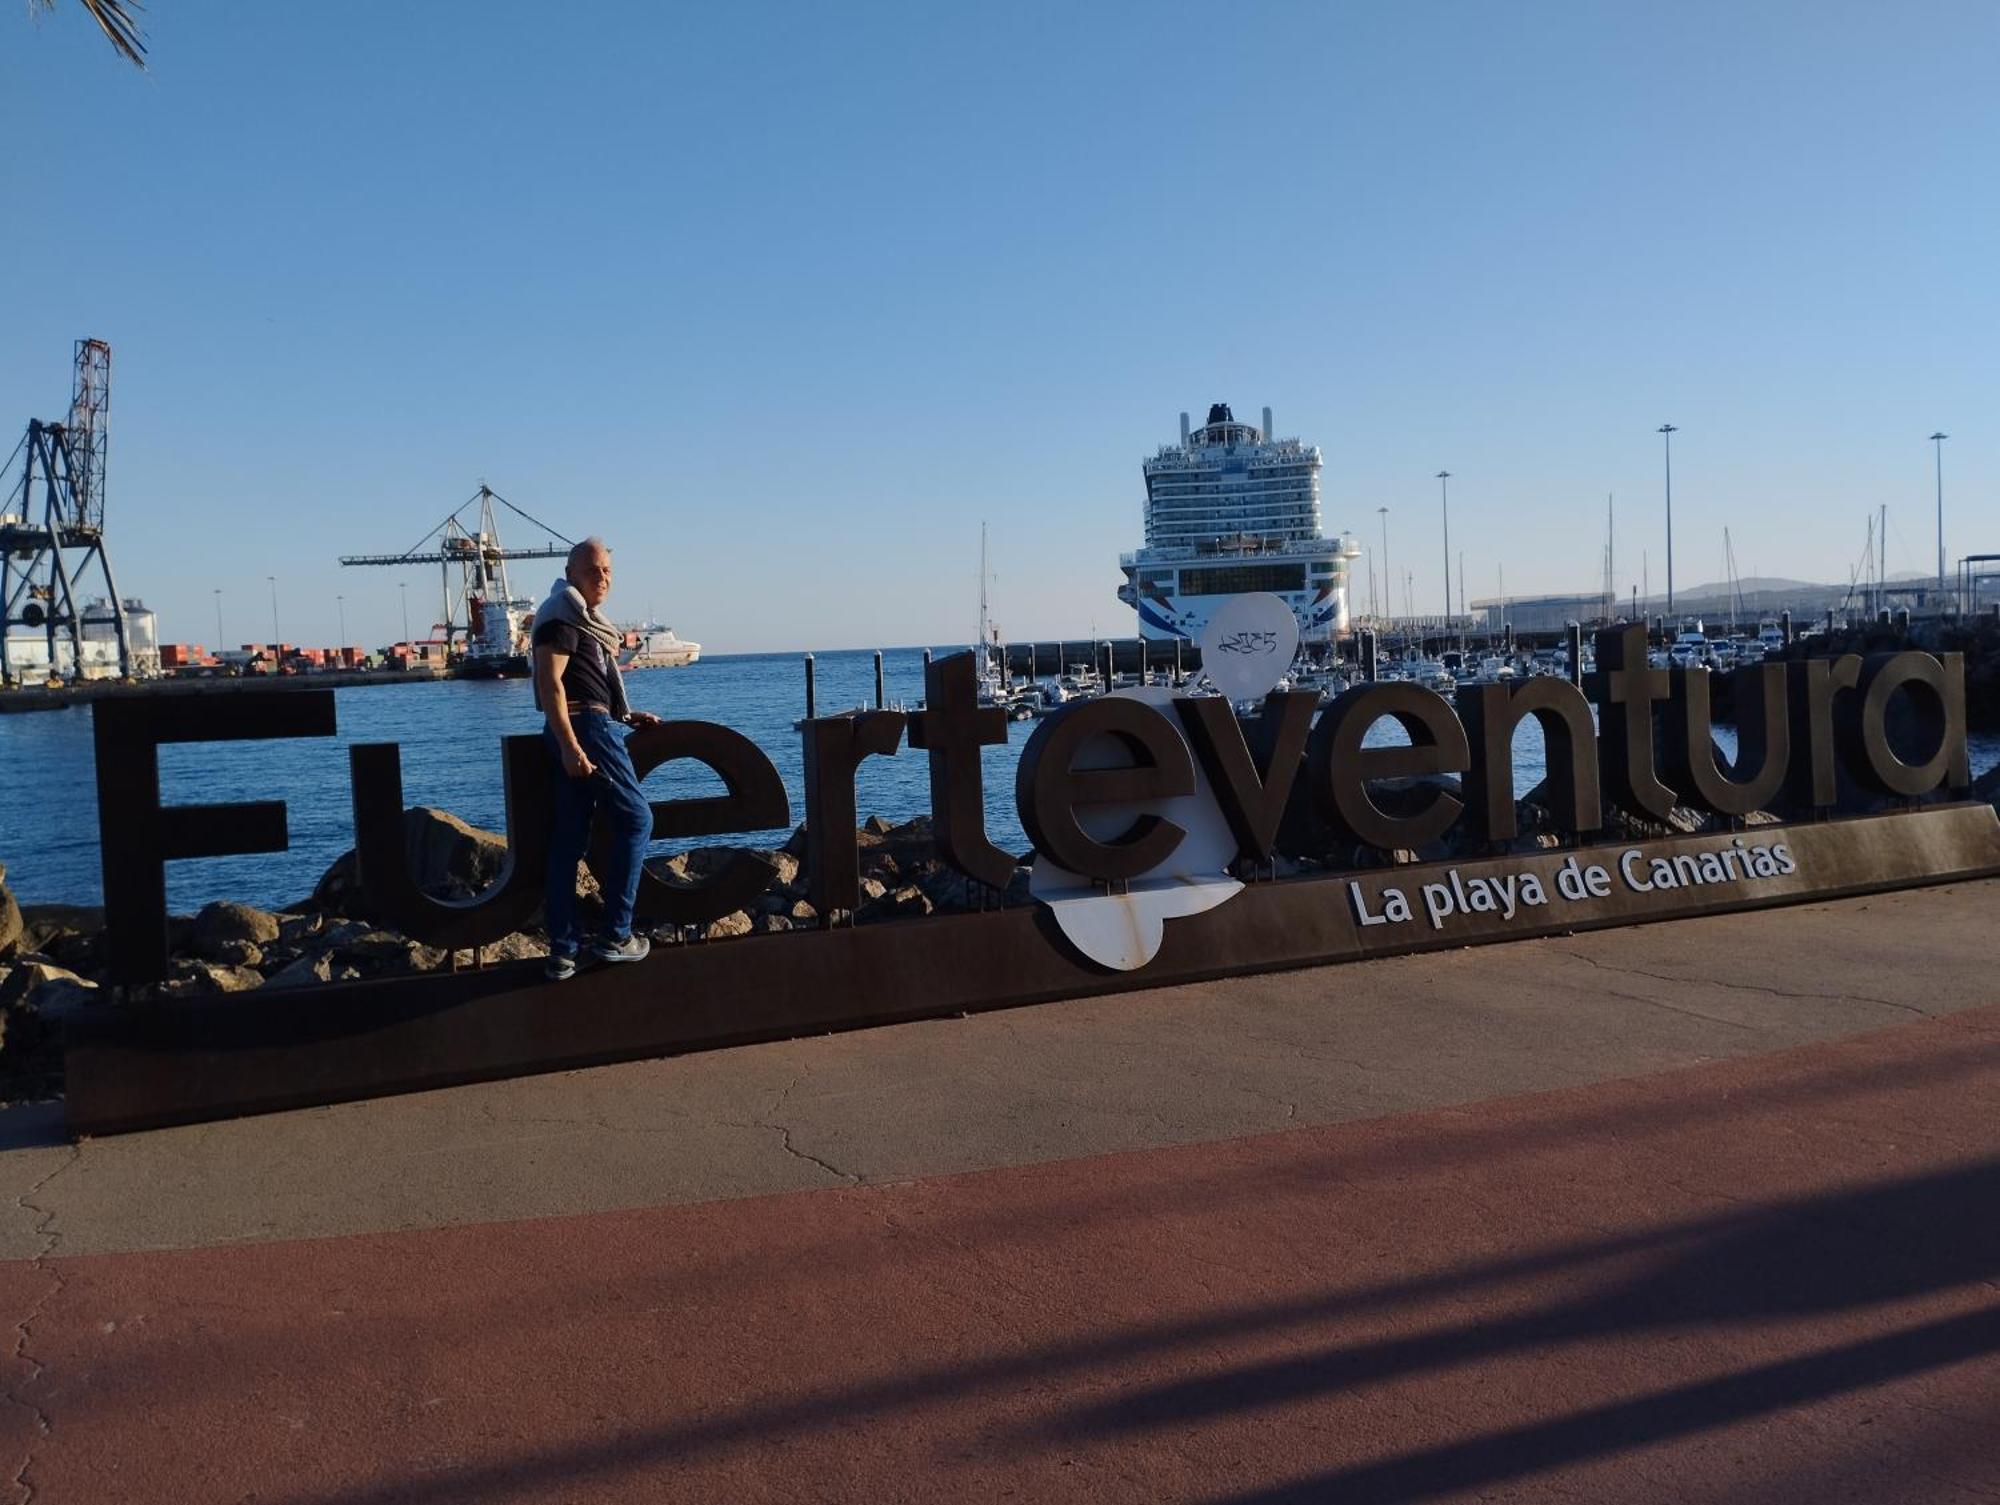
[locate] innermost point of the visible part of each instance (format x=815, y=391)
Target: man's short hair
x=578, y=551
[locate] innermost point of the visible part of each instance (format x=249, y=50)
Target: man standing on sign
x=582, y=698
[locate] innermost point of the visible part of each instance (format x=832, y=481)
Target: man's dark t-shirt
x=588, y=674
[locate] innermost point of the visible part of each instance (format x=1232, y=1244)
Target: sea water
x=450, y=735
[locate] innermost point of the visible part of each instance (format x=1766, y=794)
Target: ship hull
x=661, y=660
x=1174, y=595
x=492, y=666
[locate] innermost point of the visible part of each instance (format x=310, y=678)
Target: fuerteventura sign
x=1135, y=801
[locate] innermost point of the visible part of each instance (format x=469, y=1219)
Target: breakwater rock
x=53, y=959
x=10, y=916
x=1978, y=638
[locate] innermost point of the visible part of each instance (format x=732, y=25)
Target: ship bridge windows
x=1230, y=580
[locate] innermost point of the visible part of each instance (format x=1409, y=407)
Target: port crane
x=481, y=612
x=52, y=531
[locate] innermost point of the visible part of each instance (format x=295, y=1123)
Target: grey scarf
x=565, y=604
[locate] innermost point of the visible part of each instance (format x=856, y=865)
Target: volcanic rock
x=910, y=900
x=520, y=946
x=223, y=927
x=307, y=970
x=69, y=933
x=447, y=859
x=191, y=977
x=735, y=924
x=24, y=979
x=382, y=953
x=11, y=924
x=61, y=995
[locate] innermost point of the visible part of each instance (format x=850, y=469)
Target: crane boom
x=479, y=607
x=455, y=556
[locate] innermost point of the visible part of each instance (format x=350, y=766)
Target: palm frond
x=115, y=18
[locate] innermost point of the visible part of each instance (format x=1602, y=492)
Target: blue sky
x=784, y=299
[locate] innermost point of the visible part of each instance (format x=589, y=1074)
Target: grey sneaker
x=559, y=968
x=634, y=948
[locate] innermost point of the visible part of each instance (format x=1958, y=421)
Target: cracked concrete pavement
x=1060, y=1081
x=27, y=1423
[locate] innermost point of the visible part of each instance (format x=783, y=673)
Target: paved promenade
x=1701, y=1211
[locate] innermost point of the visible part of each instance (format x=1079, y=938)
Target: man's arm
x=549, y=666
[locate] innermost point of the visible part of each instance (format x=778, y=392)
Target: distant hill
x=1752, y=585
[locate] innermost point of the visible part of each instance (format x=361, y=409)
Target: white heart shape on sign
x=1124, y=931
x=1248, y=645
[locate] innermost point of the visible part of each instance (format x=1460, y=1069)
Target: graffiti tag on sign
x=1247, y=643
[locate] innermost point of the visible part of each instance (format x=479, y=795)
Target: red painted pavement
x=1769, y=1280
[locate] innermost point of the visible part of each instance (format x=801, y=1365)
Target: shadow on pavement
x=1831, y=1256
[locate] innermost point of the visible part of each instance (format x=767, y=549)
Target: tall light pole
x=1388, y=590
x=404, y=587
x=1937, y=444
x=219, y=639
x=1667, y=432
x=1444, y=500
x=274, y=612
x=341, y=602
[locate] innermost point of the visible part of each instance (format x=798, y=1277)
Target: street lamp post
x=405, y=589
x=1937, y=445
x=341, y=602
x=1388, y=591
x=275, y=638
x=1667, y=432
x=219, y=639
x=1444, y=500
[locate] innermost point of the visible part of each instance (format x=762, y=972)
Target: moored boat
x=655, y=647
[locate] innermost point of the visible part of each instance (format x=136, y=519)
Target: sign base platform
x=192, y=1060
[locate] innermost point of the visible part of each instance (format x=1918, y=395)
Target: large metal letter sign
x=509, y=902
x=138, y=834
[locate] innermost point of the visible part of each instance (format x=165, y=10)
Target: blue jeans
x=614, y=789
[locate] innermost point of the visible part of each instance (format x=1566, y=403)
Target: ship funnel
x=1184, y=431
x=1267, y=425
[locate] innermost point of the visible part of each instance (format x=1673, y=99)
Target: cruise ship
x=1231, y=509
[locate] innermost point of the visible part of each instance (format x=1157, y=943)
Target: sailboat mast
x=983, y=631
x=1610, y=554
x=1730, y=593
